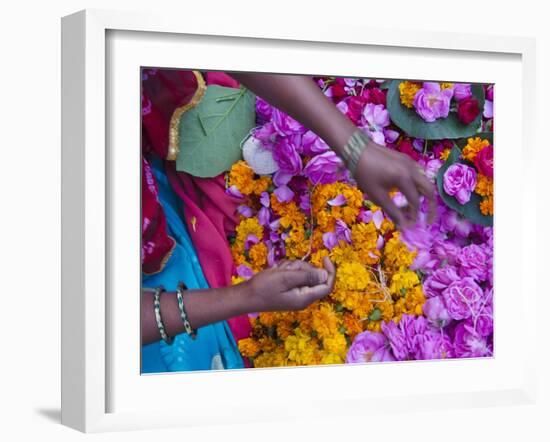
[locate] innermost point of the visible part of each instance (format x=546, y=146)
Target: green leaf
x=211, y=133
x=470, y=210
x=413, y=125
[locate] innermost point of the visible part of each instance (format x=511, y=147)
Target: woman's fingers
x=426, y=188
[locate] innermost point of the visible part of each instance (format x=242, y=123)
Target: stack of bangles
x=353, y=149
x=183, y=313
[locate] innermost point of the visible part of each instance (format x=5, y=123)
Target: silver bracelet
x=160, y=325
x=183, y=313
x=353, y=149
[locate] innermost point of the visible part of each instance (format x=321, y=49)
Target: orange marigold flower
x=473, y=147
x=486, y=206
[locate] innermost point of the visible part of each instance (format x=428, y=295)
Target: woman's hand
x=291, y=285
x=380, y=169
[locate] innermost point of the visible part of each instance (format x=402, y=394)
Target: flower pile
x=423, y=293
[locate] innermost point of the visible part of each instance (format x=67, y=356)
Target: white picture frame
x=87, y=319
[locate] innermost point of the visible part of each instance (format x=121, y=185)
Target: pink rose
x=325, y=168
x=459, y=181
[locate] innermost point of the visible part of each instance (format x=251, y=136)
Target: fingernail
x=323, y=275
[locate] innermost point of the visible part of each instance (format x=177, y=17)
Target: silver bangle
x=160, y=325
x=353, y=149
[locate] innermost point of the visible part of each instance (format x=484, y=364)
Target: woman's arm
x=379, y=169
x=292, y=285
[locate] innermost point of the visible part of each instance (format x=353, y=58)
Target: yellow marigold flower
x=486, y=206
x=237, y=280
x=407, y=91
x=300, y=349
x=241, y=175
x=352, y=276
x=474, y=146
x=353, y=325
x=336, y=344
x=444, y=154
x=325, y=321
x=446, y=85
x=331, y=358
x=261, y=185
x=249, y=347
x=364, y=235
x=249, y=226
x=396, y=254
x=317, y=257
x=402, y=281
x=342, y=253
x=258, y=256
x=484, y=186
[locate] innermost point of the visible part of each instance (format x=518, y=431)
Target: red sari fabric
x=209, y=212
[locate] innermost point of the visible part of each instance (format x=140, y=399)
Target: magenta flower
x=369, y=347
x=234, y=191
x=459, y=181
x=469, y=344
x=343, y=232
x=284, y=194
x=264, y=199
x=451, y=221
x=431, y=102
x=330, y=240
x=463, y=298
x=325, y=168
x=462, y=91
x=339, y=200
x=245, y=211
x=473, y=262
x=436, y=312
x=287, y=156
x=433, y=345
x=439, y=281
x=375, y=119
x=263, y=109
x=312, y=144
x=263, y=216
x=244, y=271
x=432, y=168
x=397, y=340
x=284, y=124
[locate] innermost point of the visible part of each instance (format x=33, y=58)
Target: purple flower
x=390, y=135
x=287, y=157
x=462, y=91
x=397, y=339
x=446, y=250
x=263, y=216
x=434, y=344
x=469, y=344
x=431, y=102
x=244, y=271
x=488, y=109
x=459, y=181
x=312, y=144
x=473, y=262
x=436, y=312
x=250, y=241
x=451, y=221
x=283, y=194
x=245, y=211
x=463, y=298
x=339, y=200
x=342, y=231
x=432, y=168
x=325, y=168
x=234, y=191
x=266, y=134
x=330, y=240
x=439, y=281
x=375, y=119
x=284, y=124
x=263, y=109
x=264, y=199
x=369, y=347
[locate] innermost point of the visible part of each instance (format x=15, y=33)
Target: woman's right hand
x=291, y=285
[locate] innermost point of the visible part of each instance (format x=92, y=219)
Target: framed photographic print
x=252, y=213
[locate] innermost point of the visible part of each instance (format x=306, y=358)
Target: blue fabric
x=214, y=346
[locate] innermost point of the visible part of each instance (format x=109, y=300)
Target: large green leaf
x=210, y=134
x=413, y=125
x=470, y=210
